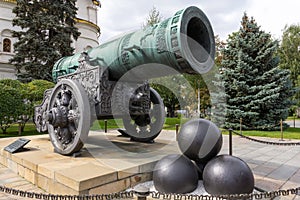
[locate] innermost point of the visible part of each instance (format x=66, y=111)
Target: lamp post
x=297, y=111
x=198, y=96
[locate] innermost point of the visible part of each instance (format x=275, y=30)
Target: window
x=6, y=45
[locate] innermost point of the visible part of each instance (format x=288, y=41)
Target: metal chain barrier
x=158, y=195
x=264, y=195
x=154, y=195
x=34, y=195
x=242, y=122
x=267, y=142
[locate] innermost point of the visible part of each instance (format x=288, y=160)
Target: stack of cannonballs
x=200, y=141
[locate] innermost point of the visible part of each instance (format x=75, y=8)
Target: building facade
x=86, y=22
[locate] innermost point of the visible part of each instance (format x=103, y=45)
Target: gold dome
x=96, y=2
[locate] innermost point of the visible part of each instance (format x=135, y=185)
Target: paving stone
x=264, y=170
x=274, y=167
x=268, y=184
x=296, y=177
x=12, y=180
x=16, y=184
x=26, y=187
x=7, y=175
x=284, y=172
x=255, y=161
x=295, y=161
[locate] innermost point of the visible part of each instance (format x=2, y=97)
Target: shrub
x=11, y=106
x=36, y=89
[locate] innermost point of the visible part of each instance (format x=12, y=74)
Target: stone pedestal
x=108, y=163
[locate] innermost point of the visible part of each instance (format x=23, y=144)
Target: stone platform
x=107, y=163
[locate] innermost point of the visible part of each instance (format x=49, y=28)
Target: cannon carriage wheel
x=144, y=128
x=68, y=116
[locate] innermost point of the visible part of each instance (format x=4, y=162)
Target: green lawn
x=290, y=133
x=13, y=131
x=170, y=124
x=291, y=118
x=111, y=124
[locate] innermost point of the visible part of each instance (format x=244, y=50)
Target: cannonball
x=200, y=140
x=200, y=167
x=175, y=174
x=228, y=175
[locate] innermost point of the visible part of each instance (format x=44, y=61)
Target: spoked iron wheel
x=68, y=117
x=144, y=128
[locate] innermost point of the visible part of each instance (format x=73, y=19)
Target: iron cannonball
x=200, y=167
x=175, y=174
x=228, y=175
x=200, y=140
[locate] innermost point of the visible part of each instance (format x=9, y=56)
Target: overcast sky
x=119, y=16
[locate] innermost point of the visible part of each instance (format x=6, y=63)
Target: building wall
x=86, y=23
x=88, y=38
x=87, y=10
x=6, y=16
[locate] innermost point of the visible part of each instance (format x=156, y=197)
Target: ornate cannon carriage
x=91, y=85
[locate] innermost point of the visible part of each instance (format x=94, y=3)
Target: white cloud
x=119, y=16
x=273, y=15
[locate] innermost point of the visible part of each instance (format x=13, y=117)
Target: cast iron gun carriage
x=91, y=84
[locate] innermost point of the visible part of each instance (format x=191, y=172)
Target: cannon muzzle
x=184, y=42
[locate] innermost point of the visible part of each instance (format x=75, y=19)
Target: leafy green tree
x=289, y=53
x=174, y=91
x=154, y=17
x=34, y=96
x=31, y=94
x=170, y=100
x=25, y=107
x=47, y=33
x=199, y=85
x=11, y=106
x=17, y=85
x=36, y=89
x=257, y=89
x=219, y=46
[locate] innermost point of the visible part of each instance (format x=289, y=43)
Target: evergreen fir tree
x=216, y=87
x=257, y=90
x=47, y=30
x=218, y=100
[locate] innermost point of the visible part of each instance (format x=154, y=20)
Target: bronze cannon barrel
x=184, y=42
x=110, y=81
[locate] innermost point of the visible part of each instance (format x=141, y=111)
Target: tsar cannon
x=90, y=86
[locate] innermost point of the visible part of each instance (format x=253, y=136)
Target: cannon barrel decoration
x=88, y=82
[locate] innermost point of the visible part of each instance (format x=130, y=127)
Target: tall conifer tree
x=47, y=31
x=257, y=90
x=289, y=53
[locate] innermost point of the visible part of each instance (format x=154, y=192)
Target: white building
x=86, y=22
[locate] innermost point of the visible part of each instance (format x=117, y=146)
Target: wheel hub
x=67, y=127
x=58, y=116
x=142, y=120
